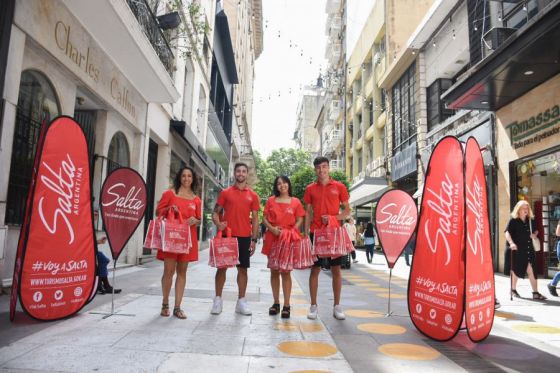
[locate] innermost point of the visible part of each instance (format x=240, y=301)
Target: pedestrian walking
x=552, y=285
x=282, y=211
x=181, y=199
x=369, y=241
x=323, y=199
x=409, y=249
x=238, y=209
x=351, y=230
x=520, y=254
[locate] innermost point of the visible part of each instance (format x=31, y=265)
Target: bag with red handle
x=302, y=257
x=286, y=249
x=153, y=234
x=223, y=251
x=175, y=234
x=324, y=240
x=342, y=242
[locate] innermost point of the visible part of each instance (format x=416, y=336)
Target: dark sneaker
x=552, y=290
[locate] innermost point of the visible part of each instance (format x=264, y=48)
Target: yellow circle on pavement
x=542, y=329
x=363, y=313
x=381, y=290
x=505, y=315
x=408, y=351
x=298, y=301
x=393, y=295
x=307, y=349
x=357, y=280
x=377, y=328
x=299, y=311
x=296, y=326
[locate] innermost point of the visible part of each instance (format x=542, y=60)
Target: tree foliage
x=306, y=176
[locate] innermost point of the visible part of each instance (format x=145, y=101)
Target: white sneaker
x=338, y=313
x=312, y=314
x=242, y=307
x=217, y=306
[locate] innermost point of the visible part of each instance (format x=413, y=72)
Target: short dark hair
x=240, y=164
x=177, y=179
x=317, y=161
x=285, y=179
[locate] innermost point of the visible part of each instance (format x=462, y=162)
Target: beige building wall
x=536, y=101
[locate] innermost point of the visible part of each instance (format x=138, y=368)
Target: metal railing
x=149, y=23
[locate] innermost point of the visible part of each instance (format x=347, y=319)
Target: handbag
x=536, y=241
x=175, y=234
x=153, y=234
x=223, y=251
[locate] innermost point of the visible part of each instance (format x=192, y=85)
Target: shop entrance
x=537, y=180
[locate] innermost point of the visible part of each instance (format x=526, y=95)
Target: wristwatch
x=254, y=240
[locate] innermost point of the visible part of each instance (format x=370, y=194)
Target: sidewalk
x=525, y=337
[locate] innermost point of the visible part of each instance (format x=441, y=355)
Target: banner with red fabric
x=123, y=203
x=395, y=221
x=58, y=244
x=479, y=297
x=437, y=276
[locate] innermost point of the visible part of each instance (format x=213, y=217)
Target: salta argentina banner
x=437, y=276
x=479, y=281
x=395, y=222
x=58, y=246
x=123, y=203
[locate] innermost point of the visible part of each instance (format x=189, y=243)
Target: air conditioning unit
x=497, y=36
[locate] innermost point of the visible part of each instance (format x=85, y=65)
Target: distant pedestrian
x=323, y=199
x=238, y=209
x=520, y=254
x=351, y=230
x=369, y=241
x=552, y=285
x=409, y=249
x=103, y=286
x=282, y=211
x=181, y=198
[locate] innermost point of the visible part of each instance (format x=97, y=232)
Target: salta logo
x=403, y=217
x=129, y=201
x=65, y=184
x=445, y=203
x=475, y=204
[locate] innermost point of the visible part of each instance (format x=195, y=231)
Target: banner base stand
x=109, y=314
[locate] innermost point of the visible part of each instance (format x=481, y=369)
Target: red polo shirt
x=325, y=199
x=238, y=204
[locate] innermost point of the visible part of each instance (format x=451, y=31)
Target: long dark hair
x=285, y=179
x=369, y=230
x=177, y=180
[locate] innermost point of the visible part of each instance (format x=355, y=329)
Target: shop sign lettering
x=521, y=132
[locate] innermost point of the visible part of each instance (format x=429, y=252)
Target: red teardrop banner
x=58, y=252
x=437, y=276
x=123, y=203
x=395, y=221
x=479, y=300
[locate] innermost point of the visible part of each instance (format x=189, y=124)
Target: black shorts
x=244, y=244
x=332, y=262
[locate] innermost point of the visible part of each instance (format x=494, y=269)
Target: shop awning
x=367, y=190
x=525, y=60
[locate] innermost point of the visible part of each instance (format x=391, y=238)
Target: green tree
x=288, y=161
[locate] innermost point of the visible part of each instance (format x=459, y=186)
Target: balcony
x=376, y=168
x=332, y=6
x=380, y=66
x=381, y=120
x=129, y=33
x=335, y=164
x=368, y=89
x=359, y=144
x=333, y=24
x=334, y=109
x=335, y=53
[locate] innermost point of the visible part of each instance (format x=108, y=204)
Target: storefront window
x=37, y=104
x=174, y=167
x=538, y=181
x=118, y=155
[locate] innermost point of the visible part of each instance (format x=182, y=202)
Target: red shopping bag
x=285, y=251
x=343, y=244
x=175, y=235
x=302, y=256
x=324, y=242
x=153, y=234
x=224, y=251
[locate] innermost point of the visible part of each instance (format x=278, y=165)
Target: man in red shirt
x=237, y=208
x=323, y=199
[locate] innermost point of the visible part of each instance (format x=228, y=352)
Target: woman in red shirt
x=282, y=211
x=182, y=199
